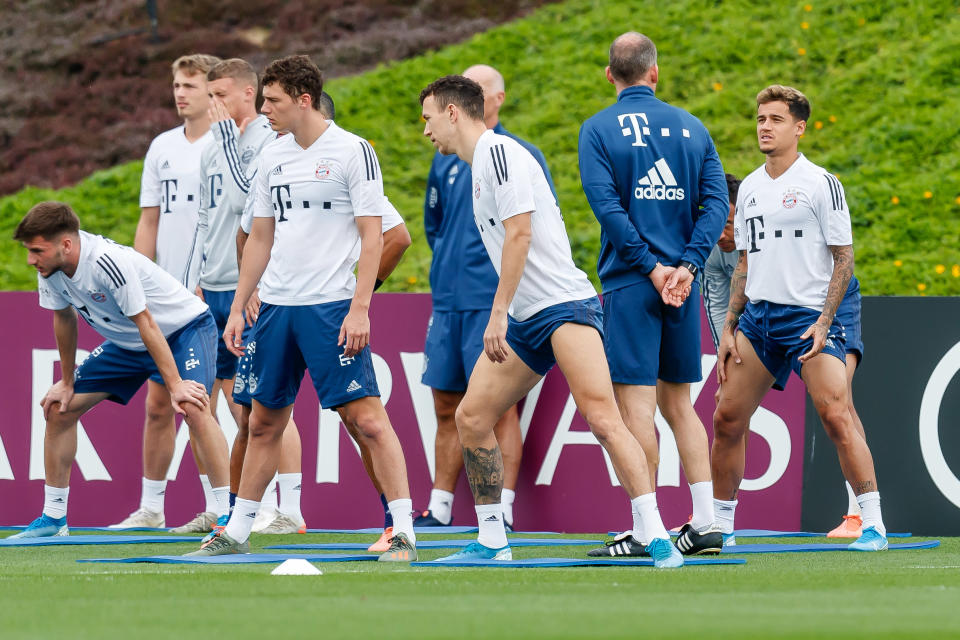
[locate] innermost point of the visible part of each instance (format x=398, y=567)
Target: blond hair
x=194, y=63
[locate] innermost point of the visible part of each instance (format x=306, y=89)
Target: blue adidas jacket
x=462, y=278
x=655, y=183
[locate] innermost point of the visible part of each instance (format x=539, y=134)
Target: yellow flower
x=895, y=200
x=808, y=7
x=412, y=280
x=957, y=200
x=898, y=263
x=939, y=268
x=372, y=143
x=921, y=287
x=862, y=21
x=928, y=194
x=801, y=51
x=818, y=125
x=804, y=25
x=832, y=118
x=955, y=271
x=717, y=86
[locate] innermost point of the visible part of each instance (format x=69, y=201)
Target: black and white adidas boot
x=623, y=545
x=693, y=543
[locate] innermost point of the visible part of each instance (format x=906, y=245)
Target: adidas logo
x=57, y=500
x=753, y=201
x=296, y=488
x=278, y=170
x=353, y=386
x=165, y=165
x=658, y=184
x=251, y=515
x=491, y=519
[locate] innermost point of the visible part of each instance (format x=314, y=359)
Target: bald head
x=492, y=84
x=632, y=56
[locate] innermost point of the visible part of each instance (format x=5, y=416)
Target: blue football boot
x=870, y=540
x=44, y=527
x=476, y=551
x=664, y=554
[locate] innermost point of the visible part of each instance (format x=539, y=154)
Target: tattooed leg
x=485, y=473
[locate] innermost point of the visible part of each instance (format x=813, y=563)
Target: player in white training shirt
x=169, y=200
x=317, y=195
x=792, y=229
x=545, y=311
x=152, y=325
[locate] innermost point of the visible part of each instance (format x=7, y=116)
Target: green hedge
x=883, y=79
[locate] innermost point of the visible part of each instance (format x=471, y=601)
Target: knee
x=728, y=424
x=837, y=423
x=261, y=429
x=605, y=425
x=366, y=425
x=158, y=412
x=468, y=420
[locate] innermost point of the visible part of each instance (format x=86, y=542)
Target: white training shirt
x=227, y=168
x=171, y=181
x=786, y=226
x=391, y=217
x=314, y=194
x=113, y=282
x=508, y=181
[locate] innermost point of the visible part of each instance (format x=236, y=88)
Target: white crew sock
x=870, y=508
x=702, y=494
x=723, y=512
x=221, y=498
x=401, y=510
x=152, y=493
x=441, y=505
x=269, y=500
x=55, y=501
x=290, y=484
x=507, y=496
x=241, y=522
x=638, y=533
x=490, y=521
x=208, y=494
x=853, y=507
x=646, y=507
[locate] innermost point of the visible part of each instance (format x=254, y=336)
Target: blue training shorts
x=774, y=330
x=848, y=313
x=453, y=345
x=121, y=372
x=292, y=339
x=530, y=339
x=647, y=340
x=219, y=303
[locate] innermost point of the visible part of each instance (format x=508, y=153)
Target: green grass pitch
x=45, y=593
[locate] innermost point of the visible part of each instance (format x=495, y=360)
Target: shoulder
x=168, y=137
x=752, y=178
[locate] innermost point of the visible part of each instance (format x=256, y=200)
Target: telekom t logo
x=635, y=129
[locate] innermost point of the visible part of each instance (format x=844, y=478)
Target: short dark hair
x=632, y=55
x=457, y=90
x=296, y=75
x=326, y=106
x=796, y=102
x=733, y=187
x=47, y=220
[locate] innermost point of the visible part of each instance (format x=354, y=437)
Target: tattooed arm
x=842, y=272
x=738, y=300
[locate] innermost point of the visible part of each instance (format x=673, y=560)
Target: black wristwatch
x=689, y=266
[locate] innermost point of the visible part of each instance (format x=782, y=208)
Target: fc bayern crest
x=790, y=199
x=476, y=190
x=98, y=296
x=323, y=170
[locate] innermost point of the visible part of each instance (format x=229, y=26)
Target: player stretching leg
x=792, y=229
x=151, y=324
x=317, y=198
x=545, y=312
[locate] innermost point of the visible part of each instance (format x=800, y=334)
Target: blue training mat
x=114, y=529
x=243, y=558
x=571, y=562
x=441, y=544
x=378, y=531
x=57, y=540
x=791, y=548
x=770, y=533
